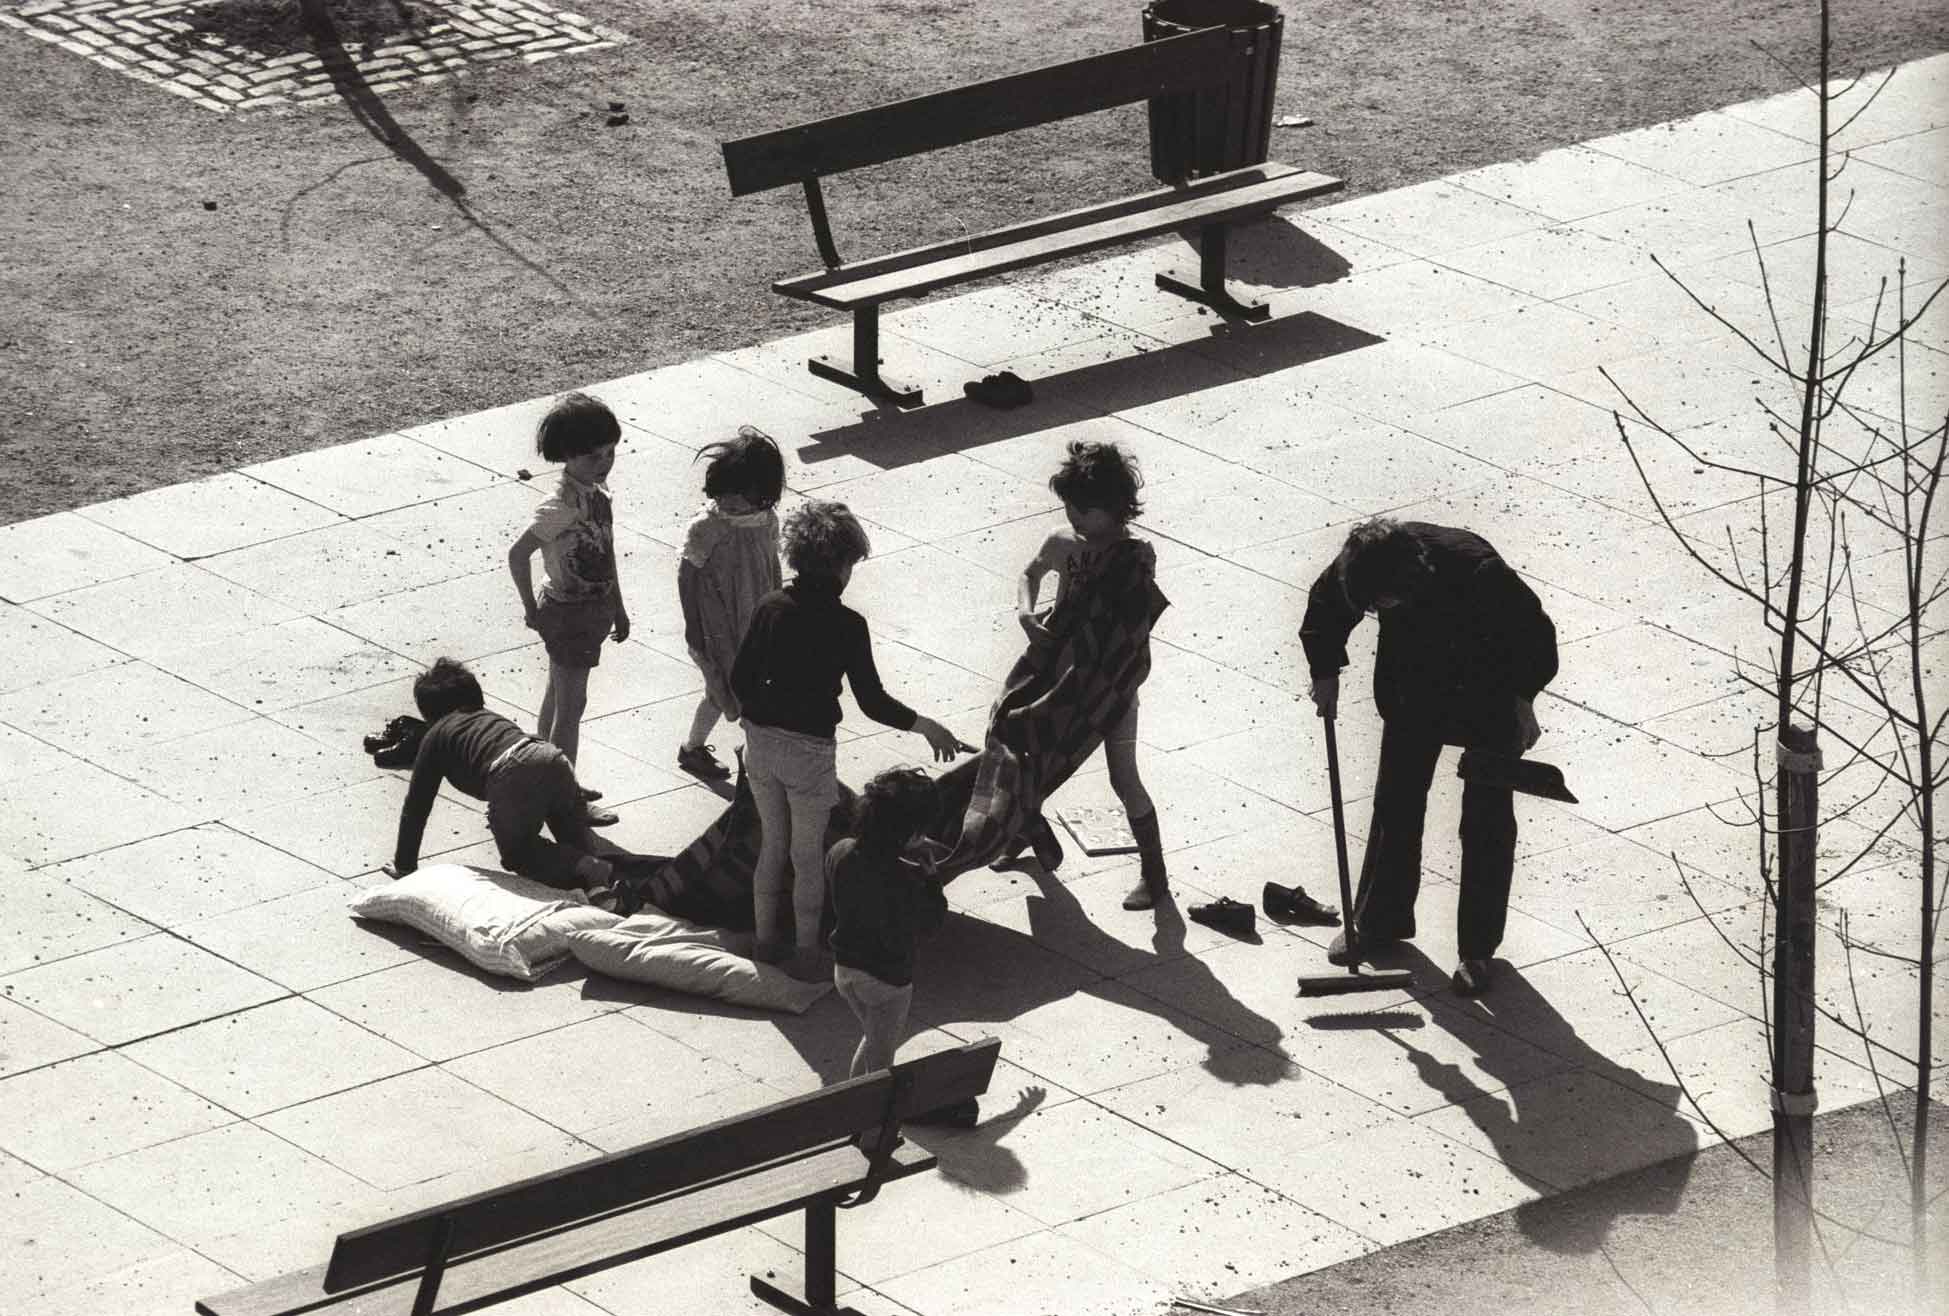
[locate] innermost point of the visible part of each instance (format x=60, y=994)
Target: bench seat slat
x=581, y=1248
x=924, y=269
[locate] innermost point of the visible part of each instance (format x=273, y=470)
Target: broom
x=1334, y=984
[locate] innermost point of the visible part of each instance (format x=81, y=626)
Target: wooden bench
x=803, y=1154
x=806, y=153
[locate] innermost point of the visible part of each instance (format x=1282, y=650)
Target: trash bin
x=1225, y=127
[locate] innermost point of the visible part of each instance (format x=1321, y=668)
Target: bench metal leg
x=864, y=376
x=1210, y=288
x=821, y=1264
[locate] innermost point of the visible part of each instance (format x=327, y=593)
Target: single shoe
x=1145, y=892
x=1337, y=952
x=1225, y=914
x=591, y=793
x=599, y=817
x=1472, y=977
x=961, y=1115
x=698, y=761
x=1291, y=904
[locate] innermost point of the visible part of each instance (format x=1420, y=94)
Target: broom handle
x=1340, y=846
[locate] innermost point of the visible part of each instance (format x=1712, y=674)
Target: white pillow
x=501, y=923
x=688, y=957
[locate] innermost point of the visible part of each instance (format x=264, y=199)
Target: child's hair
x=1099, y=475
x=749, y=466
x=1379, y=558
x=896, y=806
x=823, y=537
x=575, y=425
x=446, y=687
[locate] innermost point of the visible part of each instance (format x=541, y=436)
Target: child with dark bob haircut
x=525, y=782
x=581, y=602
x=729, y=561
x=802, y=642
x=880, y=900
x=1098, y=485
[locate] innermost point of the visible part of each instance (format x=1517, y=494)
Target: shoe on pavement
x=1291, y=904
x=1337, y=952
x=1225, y=914
x=698, y=761
x=590, y=793
x=1472, y=977
x=599, y=817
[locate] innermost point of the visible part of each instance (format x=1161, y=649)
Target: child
x=880, y=899
x=802, y=640
x=525, y=782
x=729, y=562
x=581, y=603
x=1098, y=485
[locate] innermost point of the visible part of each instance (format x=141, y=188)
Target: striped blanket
x=1059, y=700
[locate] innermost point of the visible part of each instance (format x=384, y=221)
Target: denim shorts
x=573, y=632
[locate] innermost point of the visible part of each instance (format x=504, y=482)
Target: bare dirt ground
x=490, y=239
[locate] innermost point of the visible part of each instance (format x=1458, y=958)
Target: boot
x=1153, y=883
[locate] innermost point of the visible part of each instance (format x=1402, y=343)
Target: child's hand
x=944, y=743
x=621, y=629
x=528, y=619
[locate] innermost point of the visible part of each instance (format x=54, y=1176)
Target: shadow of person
x=976, y=1158
x=1519, y=1116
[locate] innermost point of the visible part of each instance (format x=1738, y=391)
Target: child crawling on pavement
x=525, y=782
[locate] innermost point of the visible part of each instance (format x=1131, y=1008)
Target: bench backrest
x=1205, y=58
x=741, y=1144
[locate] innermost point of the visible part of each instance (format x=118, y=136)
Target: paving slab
x=211, y=1068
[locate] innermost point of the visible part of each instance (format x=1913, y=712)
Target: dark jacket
x=1455, y=656
x=799, y=644
x=878, y=905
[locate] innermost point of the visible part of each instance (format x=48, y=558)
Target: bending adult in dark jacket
x=1464, y=647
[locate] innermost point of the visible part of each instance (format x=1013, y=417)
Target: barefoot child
x=729, y=562
x=801, y=642
x=525, y=782
x=581, y=604
x=1098, y=485
x=880, y=900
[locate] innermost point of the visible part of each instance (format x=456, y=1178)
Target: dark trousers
x=1390, y=872
x=537, y=785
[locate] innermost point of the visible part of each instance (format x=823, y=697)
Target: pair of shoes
x=698, y=761
x=1472, y=977
x=1225, y=914
x=961, y=1115
x=599, y=817
x=398, y=744
x=1293, y=905
x=1005, y=390
x=1337, y=953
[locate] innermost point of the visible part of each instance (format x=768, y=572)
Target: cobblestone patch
x=159, y=44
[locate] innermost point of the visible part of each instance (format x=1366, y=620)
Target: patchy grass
x=490, y=239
